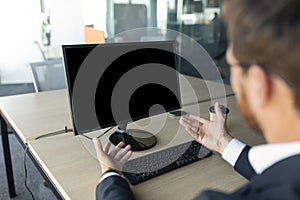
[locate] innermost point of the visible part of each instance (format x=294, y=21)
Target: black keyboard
x=149, y=166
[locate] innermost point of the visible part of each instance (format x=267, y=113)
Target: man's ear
x=259, y=87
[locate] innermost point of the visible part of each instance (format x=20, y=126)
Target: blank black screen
x=115, y=83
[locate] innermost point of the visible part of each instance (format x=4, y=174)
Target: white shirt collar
x=264, y=156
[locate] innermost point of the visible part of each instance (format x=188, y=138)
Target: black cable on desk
x=25, y=172
x=66, y=130
x=99, y=136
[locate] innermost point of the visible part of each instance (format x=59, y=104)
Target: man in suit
x=264, y=55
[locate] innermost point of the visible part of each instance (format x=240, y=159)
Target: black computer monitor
x=117, y=83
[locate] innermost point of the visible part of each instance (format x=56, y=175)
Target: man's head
x=264, y=54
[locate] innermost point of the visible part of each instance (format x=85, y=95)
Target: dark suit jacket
x=114, y=188
x=279, y=182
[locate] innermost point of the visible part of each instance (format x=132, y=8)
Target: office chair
x=48, y=75
x=129, y=16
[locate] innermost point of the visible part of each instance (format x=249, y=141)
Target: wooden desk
x=30, y=116
x=195, y=90
x=71, y=164
x=22, y=110
x=33, y=115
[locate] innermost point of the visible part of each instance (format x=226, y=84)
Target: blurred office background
x=34, y=30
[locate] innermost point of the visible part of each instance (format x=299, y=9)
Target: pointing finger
x=218, y=110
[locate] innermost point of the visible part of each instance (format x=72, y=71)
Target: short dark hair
x=267, y=33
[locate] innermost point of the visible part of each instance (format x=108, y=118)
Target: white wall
x=94, y=12
x=67, y=21
x=20, y=23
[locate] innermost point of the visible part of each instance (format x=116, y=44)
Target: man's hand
x=211, y=134
x=112, y=158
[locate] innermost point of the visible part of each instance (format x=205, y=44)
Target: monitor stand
x=138, y=139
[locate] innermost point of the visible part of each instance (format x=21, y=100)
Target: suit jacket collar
x=264, y=156
x=285, y=171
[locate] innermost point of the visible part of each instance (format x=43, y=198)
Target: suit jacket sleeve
x=243, y=165
x=114, y=188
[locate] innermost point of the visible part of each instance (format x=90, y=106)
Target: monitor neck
x=122, y=127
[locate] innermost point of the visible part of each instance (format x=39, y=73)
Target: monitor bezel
x=70, y=92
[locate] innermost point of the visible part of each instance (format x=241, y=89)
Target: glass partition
x=198, y=19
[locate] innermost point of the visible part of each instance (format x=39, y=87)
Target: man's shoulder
x=280, y=181
x=284, y=171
